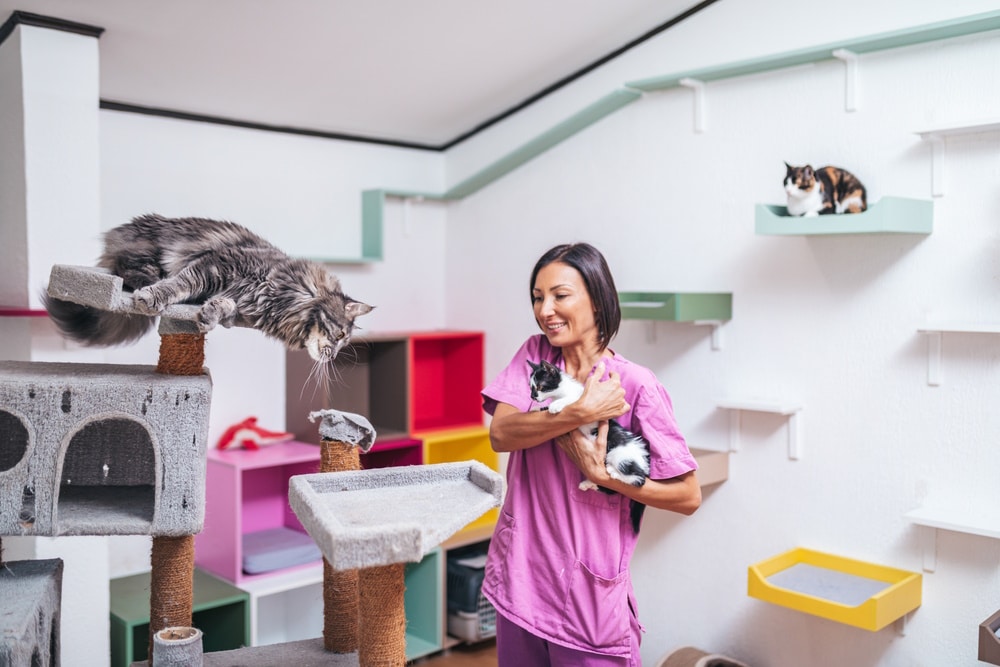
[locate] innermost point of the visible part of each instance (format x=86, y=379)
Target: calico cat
x=823, y=191
x=237, y=276
x=627, y=458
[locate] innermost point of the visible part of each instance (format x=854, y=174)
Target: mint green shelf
x=889, y=215
x=424, y=601
x=966, y=25
x=373, y=201
x=676, y=306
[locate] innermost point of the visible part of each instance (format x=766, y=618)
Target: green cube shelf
x=221, y=612
x=676, y=306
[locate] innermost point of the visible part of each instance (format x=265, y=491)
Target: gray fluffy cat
x=237, y=276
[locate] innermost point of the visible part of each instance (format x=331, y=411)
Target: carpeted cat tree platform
x=97, y=449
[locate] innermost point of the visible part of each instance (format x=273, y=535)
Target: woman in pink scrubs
x=558, y=566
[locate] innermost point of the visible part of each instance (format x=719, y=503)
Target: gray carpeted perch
x=101, y=449
x=31, y=591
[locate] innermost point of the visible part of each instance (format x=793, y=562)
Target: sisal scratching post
x=340, y=588
x=171, y=594
x=383, y=615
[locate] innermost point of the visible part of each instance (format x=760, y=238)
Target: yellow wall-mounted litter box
x=845, y=590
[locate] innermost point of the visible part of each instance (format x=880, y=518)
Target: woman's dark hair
x=592, y=266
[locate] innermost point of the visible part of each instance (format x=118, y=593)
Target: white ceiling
x=423, y=72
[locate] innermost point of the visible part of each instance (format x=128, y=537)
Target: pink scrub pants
x=516, y=647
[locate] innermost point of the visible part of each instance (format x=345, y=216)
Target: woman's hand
x=602, y=399
x=587, y=455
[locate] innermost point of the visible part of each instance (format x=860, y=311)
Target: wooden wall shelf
x=889, y=215
x=845, y=590
x=989, y=640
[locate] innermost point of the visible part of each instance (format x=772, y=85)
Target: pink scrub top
x=558, y=561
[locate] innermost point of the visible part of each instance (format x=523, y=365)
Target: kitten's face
x=545, y=381
x=799, y=181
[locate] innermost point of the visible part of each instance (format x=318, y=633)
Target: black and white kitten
x=235, y=275
x=627, y=458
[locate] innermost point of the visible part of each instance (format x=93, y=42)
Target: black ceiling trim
x=27, y=18
x=579, y=73
x=218, y=120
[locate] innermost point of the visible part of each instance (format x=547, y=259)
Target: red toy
x=250, y=436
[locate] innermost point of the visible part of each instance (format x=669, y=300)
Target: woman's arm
x=680, y=494
x=512, y=430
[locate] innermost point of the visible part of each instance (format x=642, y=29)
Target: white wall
x=829, y=322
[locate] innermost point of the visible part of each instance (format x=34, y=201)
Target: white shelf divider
x=935, y=332
x=936, y=137
x=970, y=519
x=280, y=583
x=784, y=408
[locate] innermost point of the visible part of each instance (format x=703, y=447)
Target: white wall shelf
x=935, y=332
x=936, y=136
x=982, y=520
x=788, y=409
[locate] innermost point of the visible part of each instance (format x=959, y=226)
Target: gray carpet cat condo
x=98, y=449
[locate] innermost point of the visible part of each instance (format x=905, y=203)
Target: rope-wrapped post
x=340, y=588
x=341, y=434
x=383, y=616
x=171, y=594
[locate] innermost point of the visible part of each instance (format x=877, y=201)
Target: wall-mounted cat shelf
x=699, y=308
x=982, y=520
x=889, y=215
x=784, y=408
x=935, y=332
x=854, y=592
x=373, y=201
x=937, y=136
x=989, y=640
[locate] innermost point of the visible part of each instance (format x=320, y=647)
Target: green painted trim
x=889, y=215
x=676, y=306
x=543, y=142
x=906, y=37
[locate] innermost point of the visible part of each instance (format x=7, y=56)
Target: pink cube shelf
x=247, y=491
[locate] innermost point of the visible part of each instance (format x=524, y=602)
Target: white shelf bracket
x=850, y=60
x=934, y=358
x=651, y=331
x=734, y=430
x=937, y=165
x=794, y=426
x=901, y=623
x=698, y=87
x=928, y=545
x=716, y=331
x=794, y=436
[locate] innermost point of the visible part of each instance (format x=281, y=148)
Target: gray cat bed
x=305, y=653
x=31, y=591
x=100, y=449
x=369, y=518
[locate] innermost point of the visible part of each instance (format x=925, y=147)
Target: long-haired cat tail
x=823, y=191
x=235, y=275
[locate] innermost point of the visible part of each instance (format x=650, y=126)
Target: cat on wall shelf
x=824, y=191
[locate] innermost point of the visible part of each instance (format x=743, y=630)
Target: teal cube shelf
x=424, y=600
x=220, y=610
x=889, y=215
x=676, y=306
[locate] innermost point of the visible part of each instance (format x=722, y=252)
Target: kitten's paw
x=587, y=485
x=146, y=302
x=555, y=409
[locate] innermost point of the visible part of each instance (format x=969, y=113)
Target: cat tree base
x=31, y=591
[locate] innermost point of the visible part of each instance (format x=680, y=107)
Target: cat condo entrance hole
x=108, y=469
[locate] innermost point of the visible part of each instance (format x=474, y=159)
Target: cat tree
x=98, y=449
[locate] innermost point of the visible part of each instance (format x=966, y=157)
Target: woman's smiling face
x=562, y=305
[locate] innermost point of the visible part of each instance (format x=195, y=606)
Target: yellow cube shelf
x=853, y=592
x=463, y=444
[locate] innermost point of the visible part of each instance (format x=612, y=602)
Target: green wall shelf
x=889, y=215
x=676, y=306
